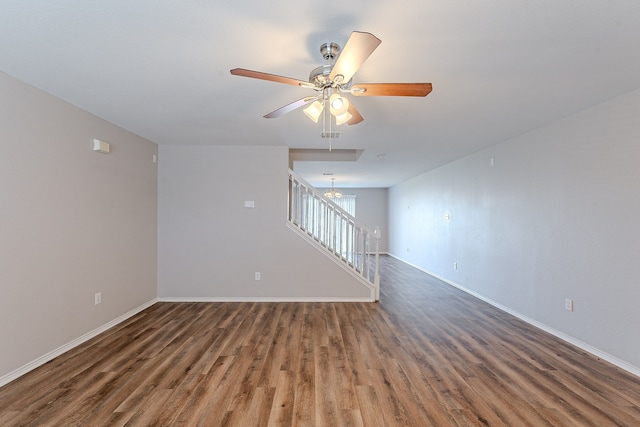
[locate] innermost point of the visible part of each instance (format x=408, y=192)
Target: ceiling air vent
x=332, y=135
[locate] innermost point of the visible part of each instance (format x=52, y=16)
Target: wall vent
x=332, y=135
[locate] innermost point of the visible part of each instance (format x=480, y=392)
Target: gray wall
x=73, y=222
x=210, y=245
x=371, y=209
x=556, y=217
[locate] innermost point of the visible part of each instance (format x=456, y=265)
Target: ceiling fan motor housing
x=320, y=78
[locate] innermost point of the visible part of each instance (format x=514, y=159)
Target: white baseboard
x=264, y=299
x=584, y=346
x=5, y=379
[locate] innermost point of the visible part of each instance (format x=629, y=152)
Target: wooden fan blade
x=356, y=116
x=290, y=107
x=266, y=76
x=356, y=51
x=391, y=89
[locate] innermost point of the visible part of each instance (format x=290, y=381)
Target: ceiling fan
x=332, y=80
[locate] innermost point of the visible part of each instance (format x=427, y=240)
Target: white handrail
x=335, y=231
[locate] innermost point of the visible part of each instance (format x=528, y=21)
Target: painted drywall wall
x=73, y=222
x=555, y=217
x=210, y=245
x=372, y=210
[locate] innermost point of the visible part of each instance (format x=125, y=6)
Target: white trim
x=5, y=379
x=265, y=299
x=568, y=338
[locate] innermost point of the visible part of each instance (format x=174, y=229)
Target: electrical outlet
x=257, y=275
x=97, y=298
x=568, y=304
x=455, y=265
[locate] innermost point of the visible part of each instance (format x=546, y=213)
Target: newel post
x=376, y=278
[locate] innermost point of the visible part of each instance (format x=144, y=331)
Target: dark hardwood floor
x=426, y=355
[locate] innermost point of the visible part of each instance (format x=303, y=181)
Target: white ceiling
x=160, y=69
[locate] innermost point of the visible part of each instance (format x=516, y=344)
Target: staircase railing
x=349, y=242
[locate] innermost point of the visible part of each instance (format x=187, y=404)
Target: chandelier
x=332, y=193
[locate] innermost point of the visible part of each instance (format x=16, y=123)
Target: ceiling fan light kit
x=331, y=80
x=314, y=110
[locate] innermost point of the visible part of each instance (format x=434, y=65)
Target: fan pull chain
x=328, y=108
x=330, y=132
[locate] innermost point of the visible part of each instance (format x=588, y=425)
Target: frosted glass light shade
x=314, y=110
x=343, y=118
x=338, y=105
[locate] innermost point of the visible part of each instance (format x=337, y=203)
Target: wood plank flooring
x=426, y=355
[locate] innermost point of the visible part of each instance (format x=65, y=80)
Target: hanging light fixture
x=333, y=193
x=329, y=101
x=338, y=106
